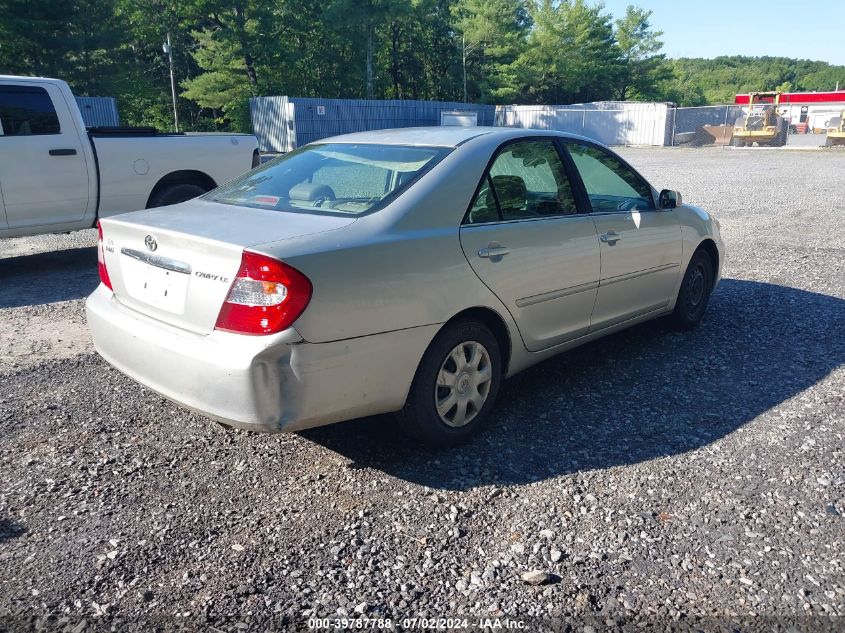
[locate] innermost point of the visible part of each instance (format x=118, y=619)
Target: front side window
x=526, y=180
x=611, y=185
x=26, y=111
x=333, y=178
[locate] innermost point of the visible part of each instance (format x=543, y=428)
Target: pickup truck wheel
x=174, y=194
x=455, y=386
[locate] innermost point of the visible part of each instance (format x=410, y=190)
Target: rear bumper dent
x=273, y=383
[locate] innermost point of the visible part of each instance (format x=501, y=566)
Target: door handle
x=611, y=237
x=494, y=252
x=62, y=152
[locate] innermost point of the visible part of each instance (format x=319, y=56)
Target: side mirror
x=669, y=199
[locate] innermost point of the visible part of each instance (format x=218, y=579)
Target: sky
x=709, y=28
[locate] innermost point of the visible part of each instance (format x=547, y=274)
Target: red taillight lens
x=266, y=297
x=101, y=259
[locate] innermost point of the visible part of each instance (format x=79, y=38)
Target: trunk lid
x=176, y=264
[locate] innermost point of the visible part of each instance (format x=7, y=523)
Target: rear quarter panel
x=130, y=167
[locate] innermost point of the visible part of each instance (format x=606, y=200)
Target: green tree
x=494, y=34
x=643, y=66
x=419, y=53
x=78, y=41
x=309, y=52
x=572, y=54
x=229, y=49
x=721, y=78
x=224, y=87
x=363, y=19
x=144, y=98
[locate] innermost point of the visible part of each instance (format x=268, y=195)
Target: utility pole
x=169, y=50
x=464, y=55
x=464, y=50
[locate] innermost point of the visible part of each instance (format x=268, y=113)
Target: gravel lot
x=695, y=480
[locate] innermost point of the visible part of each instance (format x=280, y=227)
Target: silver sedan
x=405, y=271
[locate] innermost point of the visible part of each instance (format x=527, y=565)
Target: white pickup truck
x=56, y=176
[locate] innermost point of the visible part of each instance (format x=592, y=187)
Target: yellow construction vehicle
x=836, y=131
x=762, y=125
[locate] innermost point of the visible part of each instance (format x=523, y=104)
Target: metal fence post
x=786, y=138
x=727, y=109
x=674, y=124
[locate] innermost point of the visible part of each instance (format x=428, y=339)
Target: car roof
x=436, y=136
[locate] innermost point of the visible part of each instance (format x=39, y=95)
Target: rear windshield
x=331, y=178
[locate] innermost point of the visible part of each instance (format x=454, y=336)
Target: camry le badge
x=151, y=243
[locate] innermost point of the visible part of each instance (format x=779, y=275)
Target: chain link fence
x=714, y=126
x=706, y=125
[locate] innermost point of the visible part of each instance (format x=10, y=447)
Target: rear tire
x=461, y=370
x=174, y=194
x=694, y=293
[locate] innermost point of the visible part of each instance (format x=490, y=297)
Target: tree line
x=490, y=51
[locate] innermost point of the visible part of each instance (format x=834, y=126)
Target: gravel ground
x=660, y=480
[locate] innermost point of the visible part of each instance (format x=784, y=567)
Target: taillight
x=101, y=259
x=266, y=297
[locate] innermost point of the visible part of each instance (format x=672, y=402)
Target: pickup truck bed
x=56, y=176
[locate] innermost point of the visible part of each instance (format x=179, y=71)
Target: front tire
x=695, y=292
x=455, y=386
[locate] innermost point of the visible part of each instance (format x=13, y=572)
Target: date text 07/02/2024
x=416, y=624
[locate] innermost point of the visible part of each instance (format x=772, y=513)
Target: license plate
x=157, y=287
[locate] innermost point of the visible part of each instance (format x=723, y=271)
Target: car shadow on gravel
x=28, y=280
x=638, y=395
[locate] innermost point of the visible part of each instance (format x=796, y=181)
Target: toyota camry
x=398, y=271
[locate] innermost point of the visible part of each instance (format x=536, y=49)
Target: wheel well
x=710, y=247
x=497, y=326
x=183, y=177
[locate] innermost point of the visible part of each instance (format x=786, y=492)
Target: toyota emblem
x=151, y=243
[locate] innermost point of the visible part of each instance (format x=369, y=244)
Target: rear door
x=527, y=241
x=640, y=245
x=43, y=170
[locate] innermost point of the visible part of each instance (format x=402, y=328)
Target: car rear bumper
x=262, y=383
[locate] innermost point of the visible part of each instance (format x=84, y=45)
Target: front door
x=43, y=171
x=527, y=242
x=640, y=245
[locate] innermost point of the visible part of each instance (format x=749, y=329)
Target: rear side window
x=526, y=180
x=611, y=185
x=27, y=111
